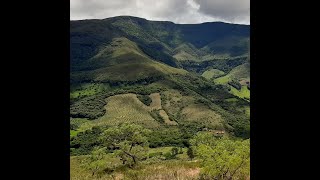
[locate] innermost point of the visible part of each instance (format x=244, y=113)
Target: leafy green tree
x=95, y=161
x=223, y=158
x=202, y=138
x=129, y=142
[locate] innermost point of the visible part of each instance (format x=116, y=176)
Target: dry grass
x=166, y=119
x=156, y=101
x=163, y=170
x=126, y=108
x=202, y=114
x=156, y=105
x=184, y=108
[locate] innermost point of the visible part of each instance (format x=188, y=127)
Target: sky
x=177, y=11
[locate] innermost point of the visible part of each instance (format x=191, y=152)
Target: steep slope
x=159, y=39
x=121, y=61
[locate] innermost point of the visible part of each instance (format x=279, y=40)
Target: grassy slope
x=212, y=73
x=243, y=93
x=122, y=60
x=87, y=89
x=241, y=72
x=185, y=109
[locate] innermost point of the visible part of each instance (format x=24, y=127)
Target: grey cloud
x=229, y=10
x=178, y=11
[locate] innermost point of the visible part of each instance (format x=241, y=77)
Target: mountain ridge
x=127, y=16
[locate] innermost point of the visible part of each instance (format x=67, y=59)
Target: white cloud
x=178, y=11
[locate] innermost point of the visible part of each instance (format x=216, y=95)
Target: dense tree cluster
x=235, y=84
x=222, y=158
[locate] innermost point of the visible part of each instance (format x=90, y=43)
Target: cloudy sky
x=178, y=11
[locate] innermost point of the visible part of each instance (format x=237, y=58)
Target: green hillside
x=143, y=92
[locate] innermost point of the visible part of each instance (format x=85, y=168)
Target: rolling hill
x=175, y=80
x=124, y=54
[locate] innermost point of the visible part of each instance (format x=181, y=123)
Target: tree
x=223, y=158
x=129, y=142
x=173, y=154
x=95, y=161
x=190, y=153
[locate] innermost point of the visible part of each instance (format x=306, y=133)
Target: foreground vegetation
x=123, y=152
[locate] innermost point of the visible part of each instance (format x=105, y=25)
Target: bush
x=84, y=142
x=155, y=114
x=235, y=84
x=168, y=136
x=190, y=153
x=223, y=158
x=145, y=99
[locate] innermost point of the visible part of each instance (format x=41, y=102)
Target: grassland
x=87, y=89
x=128, y=108
x=73, y=133
x=153, y=168
x=223, y=80
x=243, y=93
x=240, y=74
x=212, y=73
x=185, y=109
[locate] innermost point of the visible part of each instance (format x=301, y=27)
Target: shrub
x=145, y=99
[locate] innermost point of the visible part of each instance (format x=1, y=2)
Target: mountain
x=160, y=75
x=154, y=92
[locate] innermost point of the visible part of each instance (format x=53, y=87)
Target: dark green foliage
x=189, y=129
x=190, y=153
x=225, y=65
x=197, y=85
x=155, y=51
x=90, y=107
x=145, y=99
x=170, y=136
x=155, y=115
x=235, y=84
x=73, y=126
x=235, y=107
x=129, y=141
x=242, y=129
x=84, y=142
